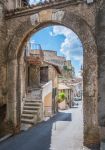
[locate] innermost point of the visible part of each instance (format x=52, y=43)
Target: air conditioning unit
x=90, y=1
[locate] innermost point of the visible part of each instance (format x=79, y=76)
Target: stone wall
x=100, y=32
x=81, y=19
x=12, y=4
x=3, y=69
x=34, y=76
x=23, y=77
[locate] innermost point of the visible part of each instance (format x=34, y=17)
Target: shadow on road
x=93, y=147
x=36, y=138
x=74, y=107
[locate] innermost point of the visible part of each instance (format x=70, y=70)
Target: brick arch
x=82, y=29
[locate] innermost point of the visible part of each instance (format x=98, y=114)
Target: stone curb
x=5, y=137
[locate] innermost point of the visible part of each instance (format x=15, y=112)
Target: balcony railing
x=36, y=59
x=34, y=53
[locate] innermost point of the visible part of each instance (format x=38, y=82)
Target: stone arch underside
x=82, y=29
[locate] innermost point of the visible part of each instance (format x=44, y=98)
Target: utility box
x=90, y=1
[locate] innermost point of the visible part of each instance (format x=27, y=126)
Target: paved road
x=62, y=132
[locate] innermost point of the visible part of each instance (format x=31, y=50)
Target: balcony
x=34, y=54
x=35, y=59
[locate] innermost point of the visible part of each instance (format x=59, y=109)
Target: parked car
x=77, y=98
x=75, y=104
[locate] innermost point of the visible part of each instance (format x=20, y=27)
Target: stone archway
x=100, y=36
x=82, y=29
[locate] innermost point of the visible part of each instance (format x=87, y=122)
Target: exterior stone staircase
x=32, y=112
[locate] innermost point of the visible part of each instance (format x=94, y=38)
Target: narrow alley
x=64, y=131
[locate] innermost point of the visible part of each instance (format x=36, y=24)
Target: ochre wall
x=48, y=105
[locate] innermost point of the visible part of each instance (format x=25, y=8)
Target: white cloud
x=32, y=1
x=71, y=45
x=51, y=33
x=35, y=1
x=78, y=74
x=60, y=30
x=79, y=58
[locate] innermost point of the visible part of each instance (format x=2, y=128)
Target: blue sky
x=35, y=1
x=62, y=40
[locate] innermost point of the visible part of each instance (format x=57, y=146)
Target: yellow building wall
x=48, y=105
x=53, y=75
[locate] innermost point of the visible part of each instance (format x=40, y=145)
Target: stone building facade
x=39, y=75
x=51, y=56
x=87, y=21
x=68, y=91
x=66, y=66
x=68, y=70
x=13, y=4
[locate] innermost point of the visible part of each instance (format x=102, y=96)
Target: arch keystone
x=45, y=15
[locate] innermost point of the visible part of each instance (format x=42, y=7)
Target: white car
x=77, y=98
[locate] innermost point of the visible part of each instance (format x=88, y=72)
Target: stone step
x=33, y=96
x=34, y=89
x=35, y=93
x=27, y=107
x=27, y=121
x=32, y=104
x=28, y=116
x=30, y=111
x=34, y=101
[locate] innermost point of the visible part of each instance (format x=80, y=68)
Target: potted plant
x=61, y=100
